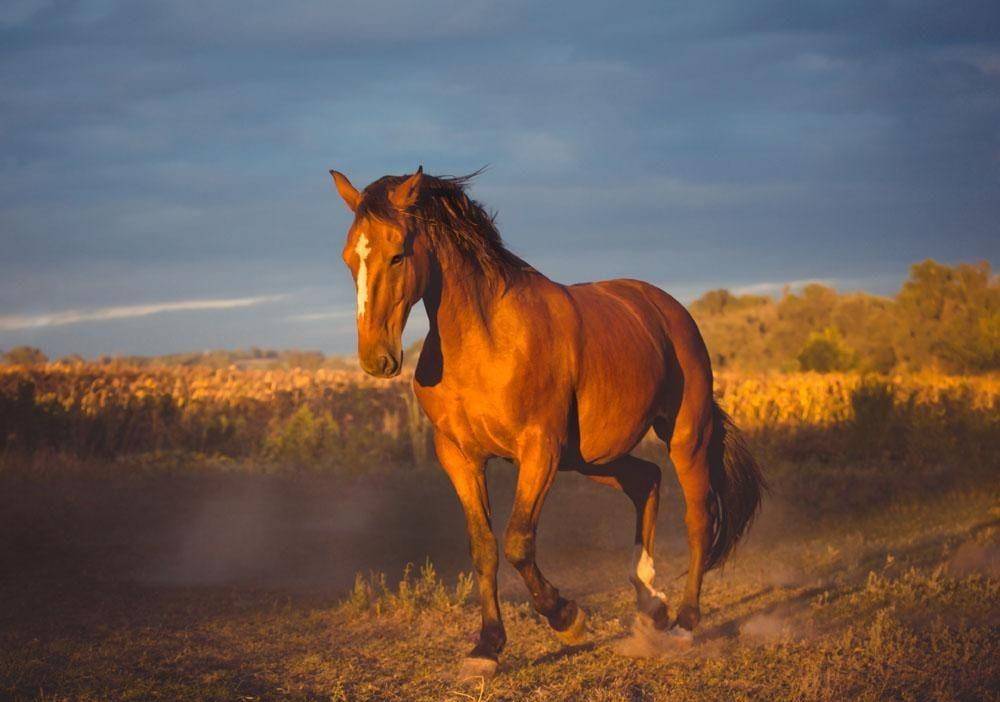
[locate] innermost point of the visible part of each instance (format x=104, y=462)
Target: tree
x=951, y=316
x=944, y=317
x=24, y=356
x=826, y=352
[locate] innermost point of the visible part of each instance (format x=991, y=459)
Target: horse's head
x=389, y=269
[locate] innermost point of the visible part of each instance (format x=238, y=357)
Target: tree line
x=944, y=318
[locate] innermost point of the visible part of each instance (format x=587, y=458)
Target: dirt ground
x=858, y=582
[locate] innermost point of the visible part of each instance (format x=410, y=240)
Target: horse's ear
x=347, y=191
x=405, y=194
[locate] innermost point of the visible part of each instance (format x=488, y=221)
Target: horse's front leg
x=469, y=479
x=537, y=466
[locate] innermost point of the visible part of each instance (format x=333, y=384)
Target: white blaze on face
x=645, y=572
x=362, y=250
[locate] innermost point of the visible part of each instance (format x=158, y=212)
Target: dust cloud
x=301, y=531
x=972, y=558
x=645, y=641
x=770, y=627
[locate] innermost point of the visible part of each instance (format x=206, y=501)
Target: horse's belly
x=612, y=424
x=606, y=443
x=623, y=366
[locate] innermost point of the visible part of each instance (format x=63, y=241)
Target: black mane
x=449, y=217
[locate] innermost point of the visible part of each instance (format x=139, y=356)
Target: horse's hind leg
x=536, y=472
x=688, y=442
x=640, y=481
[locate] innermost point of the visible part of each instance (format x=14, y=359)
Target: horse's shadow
x=834, y=582
x=731, y=628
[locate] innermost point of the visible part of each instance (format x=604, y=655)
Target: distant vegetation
x=864, y=376
x=944, y=318
x=252, y=358
x=345, y=422
x=24, y=356
x=292, y=418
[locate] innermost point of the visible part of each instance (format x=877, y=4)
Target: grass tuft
x=414, y=594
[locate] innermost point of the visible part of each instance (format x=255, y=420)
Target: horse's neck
x=460, y=304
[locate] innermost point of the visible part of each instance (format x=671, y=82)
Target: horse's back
x=639, y=350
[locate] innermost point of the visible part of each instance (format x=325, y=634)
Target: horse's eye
x=396, y=260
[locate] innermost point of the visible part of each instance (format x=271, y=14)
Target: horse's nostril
x=384, y=365
x=387, y=364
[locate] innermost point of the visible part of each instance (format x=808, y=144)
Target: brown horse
x=552, y=377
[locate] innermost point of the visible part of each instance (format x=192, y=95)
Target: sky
x=164, y=164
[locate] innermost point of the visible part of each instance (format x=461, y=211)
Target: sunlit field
x=346, y=422
x=188, y=533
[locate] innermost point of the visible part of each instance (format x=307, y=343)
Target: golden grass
x=344, y=420
x=759, y=401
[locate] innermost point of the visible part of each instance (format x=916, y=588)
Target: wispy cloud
x=322, y=316
x=103, y=314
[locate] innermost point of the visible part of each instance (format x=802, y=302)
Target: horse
x=552, y=377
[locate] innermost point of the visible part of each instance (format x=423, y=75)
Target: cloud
x=322, y=316
x=58, y=319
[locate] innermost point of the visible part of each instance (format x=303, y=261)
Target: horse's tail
x=737, y=485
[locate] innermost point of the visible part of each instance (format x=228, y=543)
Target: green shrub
x=826, y=352
x=304, y=438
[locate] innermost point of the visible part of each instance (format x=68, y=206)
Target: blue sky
x=163, y=170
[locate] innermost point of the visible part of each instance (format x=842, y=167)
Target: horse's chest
x=473, y=418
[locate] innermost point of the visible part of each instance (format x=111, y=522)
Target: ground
x=853, y=585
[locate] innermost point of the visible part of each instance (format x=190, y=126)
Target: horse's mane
x=449, y=218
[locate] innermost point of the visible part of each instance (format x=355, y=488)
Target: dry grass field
x=204, y=572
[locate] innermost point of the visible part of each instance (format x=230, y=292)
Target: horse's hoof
x=688, y=617
x=473, y=668
x=576, y=634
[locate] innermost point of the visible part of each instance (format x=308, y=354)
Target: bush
x=826, y=352
x=303, y=439
x=877, y=424
x=24, y=356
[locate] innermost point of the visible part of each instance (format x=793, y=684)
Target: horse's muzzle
x=382, y=364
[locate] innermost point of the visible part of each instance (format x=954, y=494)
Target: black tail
x=737, y=487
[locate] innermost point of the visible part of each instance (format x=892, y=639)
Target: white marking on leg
x=362, y=250
x=645, y=571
